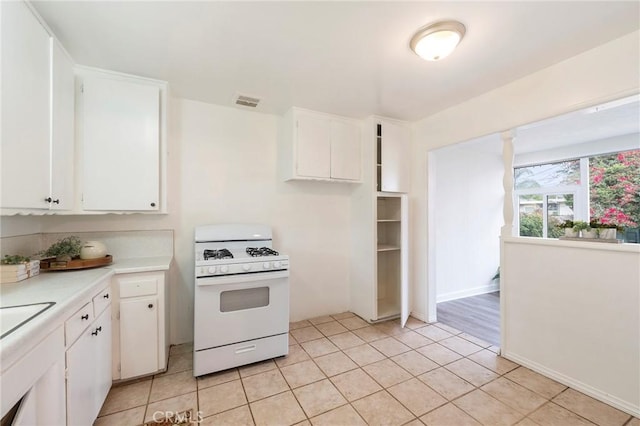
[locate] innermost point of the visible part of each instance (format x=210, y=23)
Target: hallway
x=478, y=316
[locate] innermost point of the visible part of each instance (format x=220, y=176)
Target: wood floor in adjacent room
x=476, y=315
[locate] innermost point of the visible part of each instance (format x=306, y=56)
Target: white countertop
x=68, y=289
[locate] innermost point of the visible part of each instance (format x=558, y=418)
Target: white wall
x=599, y=75
x=602, y=74
x=571, y=312
x=11, y=226
x=222, y=168
x=467, y=197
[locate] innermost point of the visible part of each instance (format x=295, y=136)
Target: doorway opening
x=466, y=199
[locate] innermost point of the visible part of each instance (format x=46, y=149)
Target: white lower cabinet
x=34, y=385
x=140, y=329
x=139, y=336
x=88, y=361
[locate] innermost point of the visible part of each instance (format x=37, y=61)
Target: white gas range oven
x=241, y=297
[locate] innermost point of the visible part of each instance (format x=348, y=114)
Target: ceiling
x=347, y=58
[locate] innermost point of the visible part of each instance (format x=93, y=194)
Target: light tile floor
x=343, y=371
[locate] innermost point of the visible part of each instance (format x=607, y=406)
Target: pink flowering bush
x=615, y=188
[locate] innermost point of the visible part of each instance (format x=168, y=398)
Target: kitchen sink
x=14, y=317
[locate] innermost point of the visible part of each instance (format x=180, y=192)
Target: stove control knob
x=266, y=265
x=224, y=269
x=246, y=267
x=276, y=264
x=212, y=269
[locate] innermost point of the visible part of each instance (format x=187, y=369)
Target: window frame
x=579, y=191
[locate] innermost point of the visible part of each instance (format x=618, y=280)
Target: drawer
x=224, y=357
x=139, y=287
x=77, y=323
x=101, y=301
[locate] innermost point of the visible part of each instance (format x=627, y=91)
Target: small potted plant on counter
x=64, y=250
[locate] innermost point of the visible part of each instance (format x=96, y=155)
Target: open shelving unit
x=391, y=253
x=379, y=210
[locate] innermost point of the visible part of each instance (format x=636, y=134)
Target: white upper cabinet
x=313, y=136
x=25, y=108
x=120, y=143
x=320, y=146
x=394, y=151
x=37, y=115
x=345, y=150
x=62, y=128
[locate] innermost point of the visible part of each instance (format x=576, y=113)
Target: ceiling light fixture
x=437, y=41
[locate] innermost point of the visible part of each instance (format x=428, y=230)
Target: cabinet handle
x=57, y=201
x=106, y=296
x=48, y=199
x=85, y=317
x=153, y=204
x=99, y=328
x=150, y=306
x=94, y=333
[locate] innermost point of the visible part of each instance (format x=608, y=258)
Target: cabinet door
x=395, y=158
x=404, y=260
x=89, y=371
x=138, y=336
x=121, y=143
x=345, y=150
x=25, y=48
x=62, y=149
x=313, y=146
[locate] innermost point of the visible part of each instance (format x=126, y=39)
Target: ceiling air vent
x=246, y=101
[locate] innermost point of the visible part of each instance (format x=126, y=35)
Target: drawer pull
x=85, y=317
x=94, y=333
x=106, y=296
x=246, y=349
x=150, y=306
x=99, y=328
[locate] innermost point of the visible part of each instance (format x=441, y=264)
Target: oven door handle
x=242, y=278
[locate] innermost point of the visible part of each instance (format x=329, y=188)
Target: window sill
x=588, y=245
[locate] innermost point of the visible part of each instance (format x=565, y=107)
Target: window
x=605, y=188
x=545, y=195
x=614, y=188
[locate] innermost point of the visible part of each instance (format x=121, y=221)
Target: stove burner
x=217, y=254
x=262, y=251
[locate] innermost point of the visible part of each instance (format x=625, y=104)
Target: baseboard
x=618, y=403
x=468, y=292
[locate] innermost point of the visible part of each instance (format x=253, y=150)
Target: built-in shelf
x=387, y=247
x=387, y=308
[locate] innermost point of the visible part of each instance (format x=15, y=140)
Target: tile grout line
x=386, y=334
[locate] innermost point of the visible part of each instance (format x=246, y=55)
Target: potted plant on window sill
x=584, y=230
x=567, y=225
x=606, y=231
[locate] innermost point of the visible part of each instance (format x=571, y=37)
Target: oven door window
x=240, y=300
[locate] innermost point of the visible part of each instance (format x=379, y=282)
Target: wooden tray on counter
x=51, y=264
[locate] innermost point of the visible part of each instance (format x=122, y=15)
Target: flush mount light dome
x=437, y=41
